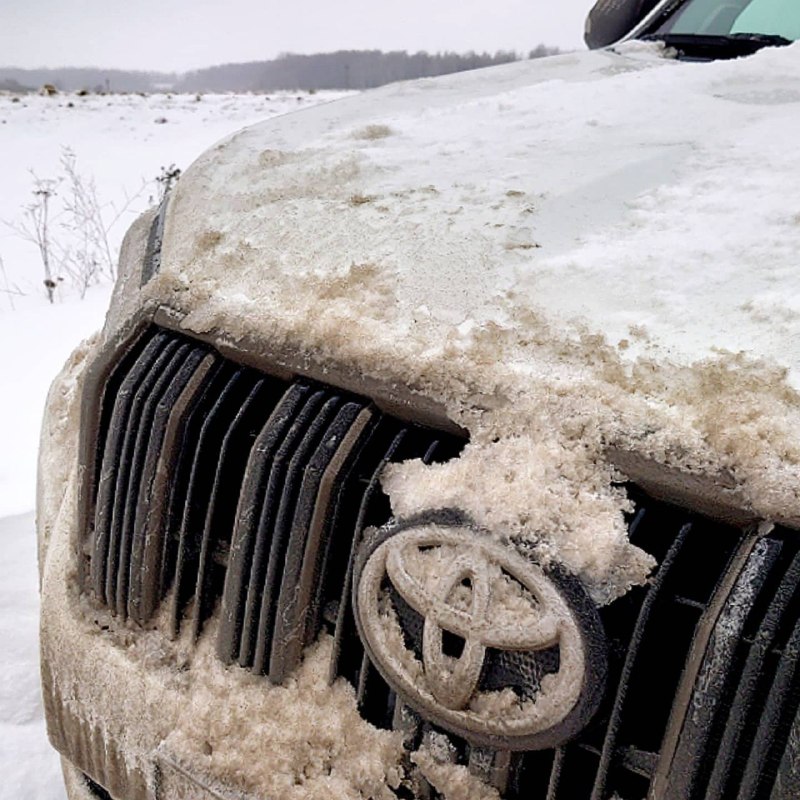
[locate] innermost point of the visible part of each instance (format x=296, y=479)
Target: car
x=441, y=441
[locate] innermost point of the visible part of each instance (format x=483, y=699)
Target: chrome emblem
x=476, y=637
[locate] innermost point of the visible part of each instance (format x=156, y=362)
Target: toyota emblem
x=475, y=636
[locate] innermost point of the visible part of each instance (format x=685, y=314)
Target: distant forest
x=345, y=69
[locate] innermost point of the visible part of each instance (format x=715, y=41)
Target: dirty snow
x=118, y=143
x=587, y=251
x=453, y=781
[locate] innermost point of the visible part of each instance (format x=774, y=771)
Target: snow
x=35, y=340
x=30, y=768
x=569, y=255
x=117, y=143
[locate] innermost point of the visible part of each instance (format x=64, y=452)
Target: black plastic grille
x=715, y=582
x=733, y=591
x=225, y=491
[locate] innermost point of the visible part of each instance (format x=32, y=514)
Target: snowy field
x=121, y=142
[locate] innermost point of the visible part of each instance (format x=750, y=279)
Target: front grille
x=217, y=487
x=218, y=490
x=718, y=729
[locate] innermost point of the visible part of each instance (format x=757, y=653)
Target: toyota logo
x=475, y=636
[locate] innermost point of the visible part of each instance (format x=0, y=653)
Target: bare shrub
x=35, y=227
x=90, y=258
x=73, y=238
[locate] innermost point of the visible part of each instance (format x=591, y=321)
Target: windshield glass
x=731, y=17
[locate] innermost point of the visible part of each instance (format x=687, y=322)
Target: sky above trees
x=186, y=34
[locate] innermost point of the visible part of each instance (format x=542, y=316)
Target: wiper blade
x=716, y=46
x=768, y=39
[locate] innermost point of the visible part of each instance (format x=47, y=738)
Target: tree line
x=344, y=69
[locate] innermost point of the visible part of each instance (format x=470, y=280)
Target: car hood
x=575, y=255
x=605, y=186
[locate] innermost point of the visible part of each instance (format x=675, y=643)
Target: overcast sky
x=185, y=34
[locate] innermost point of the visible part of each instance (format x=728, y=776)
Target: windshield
x=734, y=18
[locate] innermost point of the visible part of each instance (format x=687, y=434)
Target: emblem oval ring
x=476, y=637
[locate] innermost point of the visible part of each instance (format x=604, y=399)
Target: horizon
x=174, y=36
x=148, y=71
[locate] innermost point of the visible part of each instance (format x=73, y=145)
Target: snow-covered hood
x=602, y=185
x=588, y=251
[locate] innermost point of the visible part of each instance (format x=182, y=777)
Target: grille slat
x=306, y=409
x=234, y=451
x=610, y=744
x=306, y=548
x=264, y=535
x=556, y=773
x=775, y=724
x=347, y=650
x=146, y=446
x=787, y=778
x=188, y=360
x=112, y=464
x=247, y=560
x=302, y=449
x=148, y=581
x=121, y=513
x=187, y=436
x=203, y=467
x=345, y=502
x=375, y=699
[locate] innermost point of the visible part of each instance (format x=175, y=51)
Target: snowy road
x=28, y=765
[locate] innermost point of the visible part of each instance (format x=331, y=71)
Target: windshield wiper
x=702, y=45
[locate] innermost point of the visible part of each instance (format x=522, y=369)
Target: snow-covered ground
x=122, y=142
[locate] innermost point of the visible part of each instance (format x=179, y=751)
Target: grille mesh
x=223, y=490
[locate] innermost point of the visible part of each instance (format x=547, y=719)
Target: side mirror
x=610, y=20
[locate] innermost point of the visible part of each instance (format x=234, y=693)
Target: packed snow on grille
x=122, y=143
x=579, y=255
